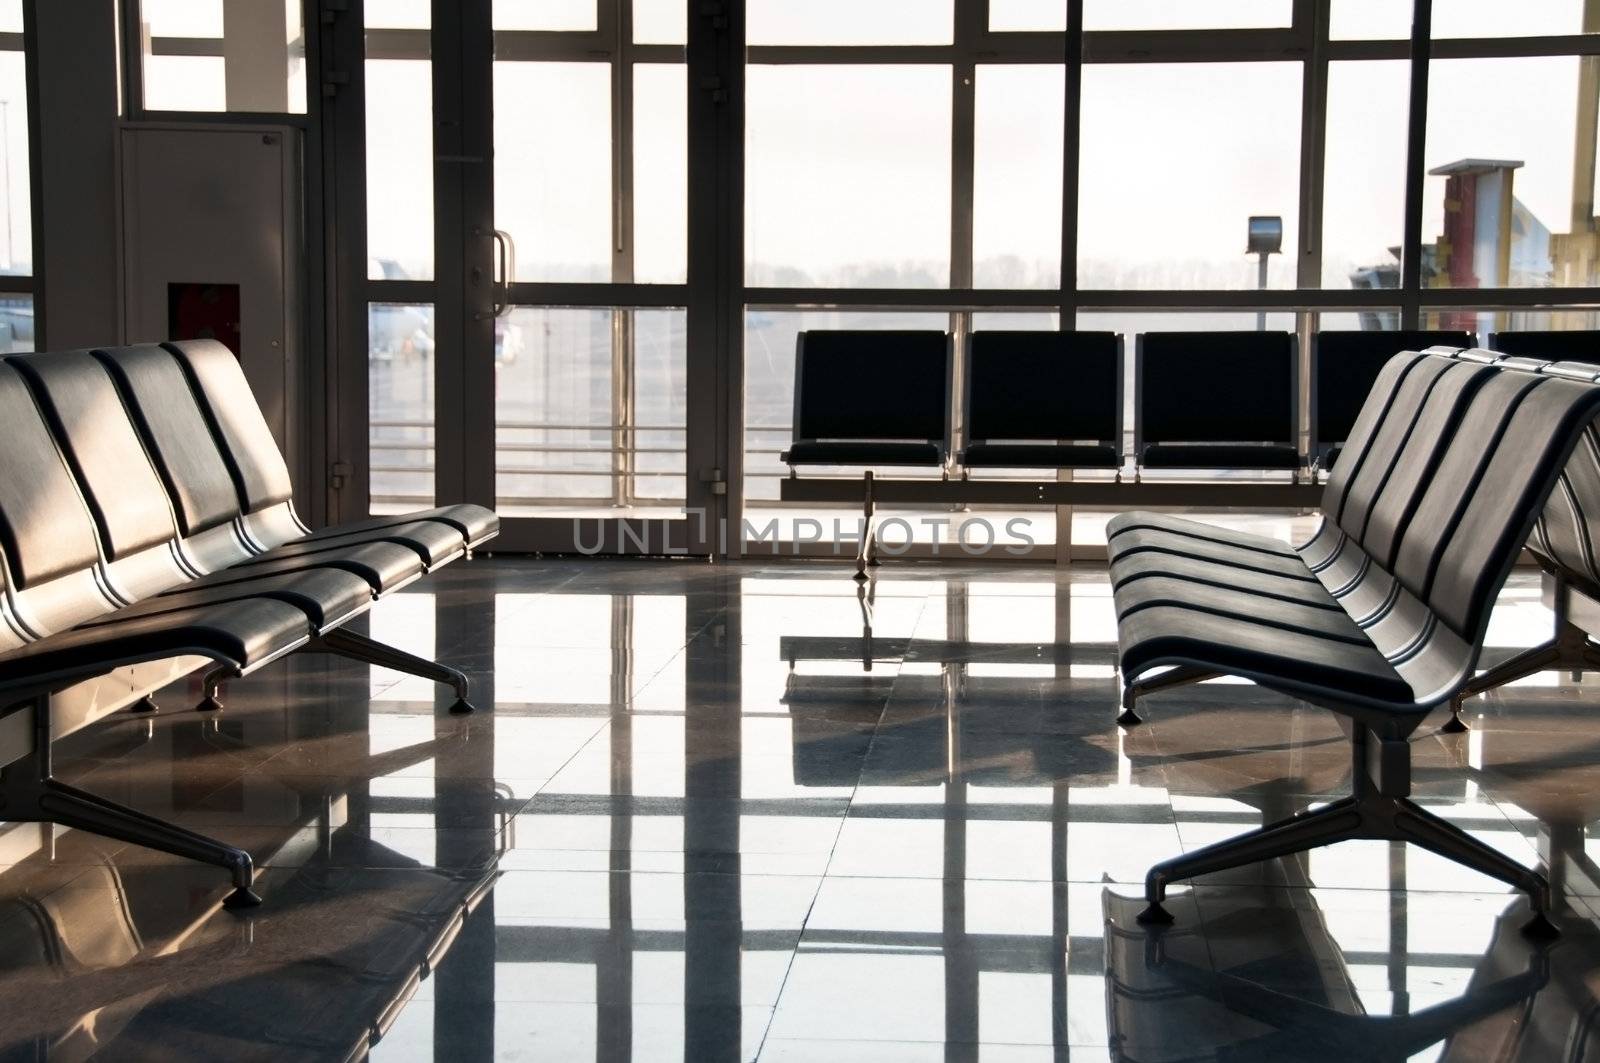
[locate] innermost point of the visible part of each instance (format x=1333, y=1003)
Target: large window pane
x=1176, y=158
x=1363, y=204
x=399, y=169
x=848, y=176
x=1184, y=14
x=16, y=324
x=590, y=410
x=1496, y=18
x=16, y=213
x=660, y=173
x=1370, y=20
x=1009, y=16
x=204, y=55
x=850, y=22
x=1016, y=211
x=1500, y=206
x=400, y=406
x=660, y=21
x=545, y=14
x=552, y=168
x=1488, y=322
x=399, y=14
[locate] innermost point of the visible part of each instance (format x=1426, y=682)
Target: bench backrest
x=1448, y=465
x=120, y=465
x=872, y=385
x=1215, y=387
x=1578, y=344
x=1044, y=386
x=1344, y=366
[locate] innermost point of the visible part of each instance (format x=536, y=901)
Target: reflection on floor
x=728, y=812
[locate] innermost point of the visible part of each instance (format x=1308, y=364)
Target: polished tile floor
x=735, y=812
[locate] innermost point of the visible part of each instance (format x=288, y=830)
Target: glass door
x=527, y=291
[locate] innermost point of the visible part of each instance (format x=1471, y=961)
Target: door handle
x=506, y=259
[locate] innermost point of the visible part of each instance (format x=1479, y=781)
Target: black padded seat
x=1216, y=400
x=1041, y=456
x=433, y=541
x=1240, y=604
x=1167, y=522
x=327, y=596
x=1582, y=345
x=1153, y=540
x=384, y=567
x=1289, y=659
x=1043, y=399
x=871, y=397
x=475, y=523
x=1344, y=365
x=1130, y=567
x=246, y=634
x=826, y=452
x=1219, y=456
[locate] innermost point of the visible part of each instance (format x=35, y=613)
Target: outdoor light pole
x=1265, y=238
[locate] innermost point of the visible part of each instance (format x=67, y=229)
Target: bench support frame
x=1379, y=808
x=342, y=642
x=30, y=794
x=1570, y=650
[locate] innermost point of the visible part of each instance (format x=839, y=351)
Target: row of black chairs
x=1054, y=400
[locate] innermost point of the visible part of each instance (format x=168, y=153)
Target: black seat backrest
x=86, y=414
x=1448, y=465
x=1579, y=345
x=1565, y=537
x=1497, y=470
x=1216, y=387
x=252, y=455
x=872, y=385
x=45, y=528
x=1044, y=386
x=1344, y=365
x=176, y=434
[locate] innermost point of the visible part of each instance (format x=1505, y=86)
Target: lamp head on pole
x=1266, y=235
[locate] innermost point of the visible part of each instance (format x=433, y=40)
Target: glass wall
x=223, y=55
x=16, y=198
x=929, y=172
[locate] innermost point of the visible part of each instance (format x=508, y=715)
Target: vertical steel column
x=1072, y=117
x=715, y=319
x=341, y=89
x=464, y=323
x=616, y=16
x=1416, y=179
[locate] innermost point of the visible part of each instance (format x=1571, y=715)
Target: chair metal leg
x=1173, y=677
x=1524, y=664
x=1410, y=822
x=1369, y=813
x=28, y=794
x=864, y=548
x=348, y=644
x=1296, y=834
x=211, y=690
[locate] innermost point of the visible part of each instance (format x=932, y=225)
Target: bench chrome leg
x=1570, y=649
x=28, y=794
x=1173, y=677
x=348, y=644
x=1309, y=830
x=1369, y=813
x=865, y=554
x=211, y=690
